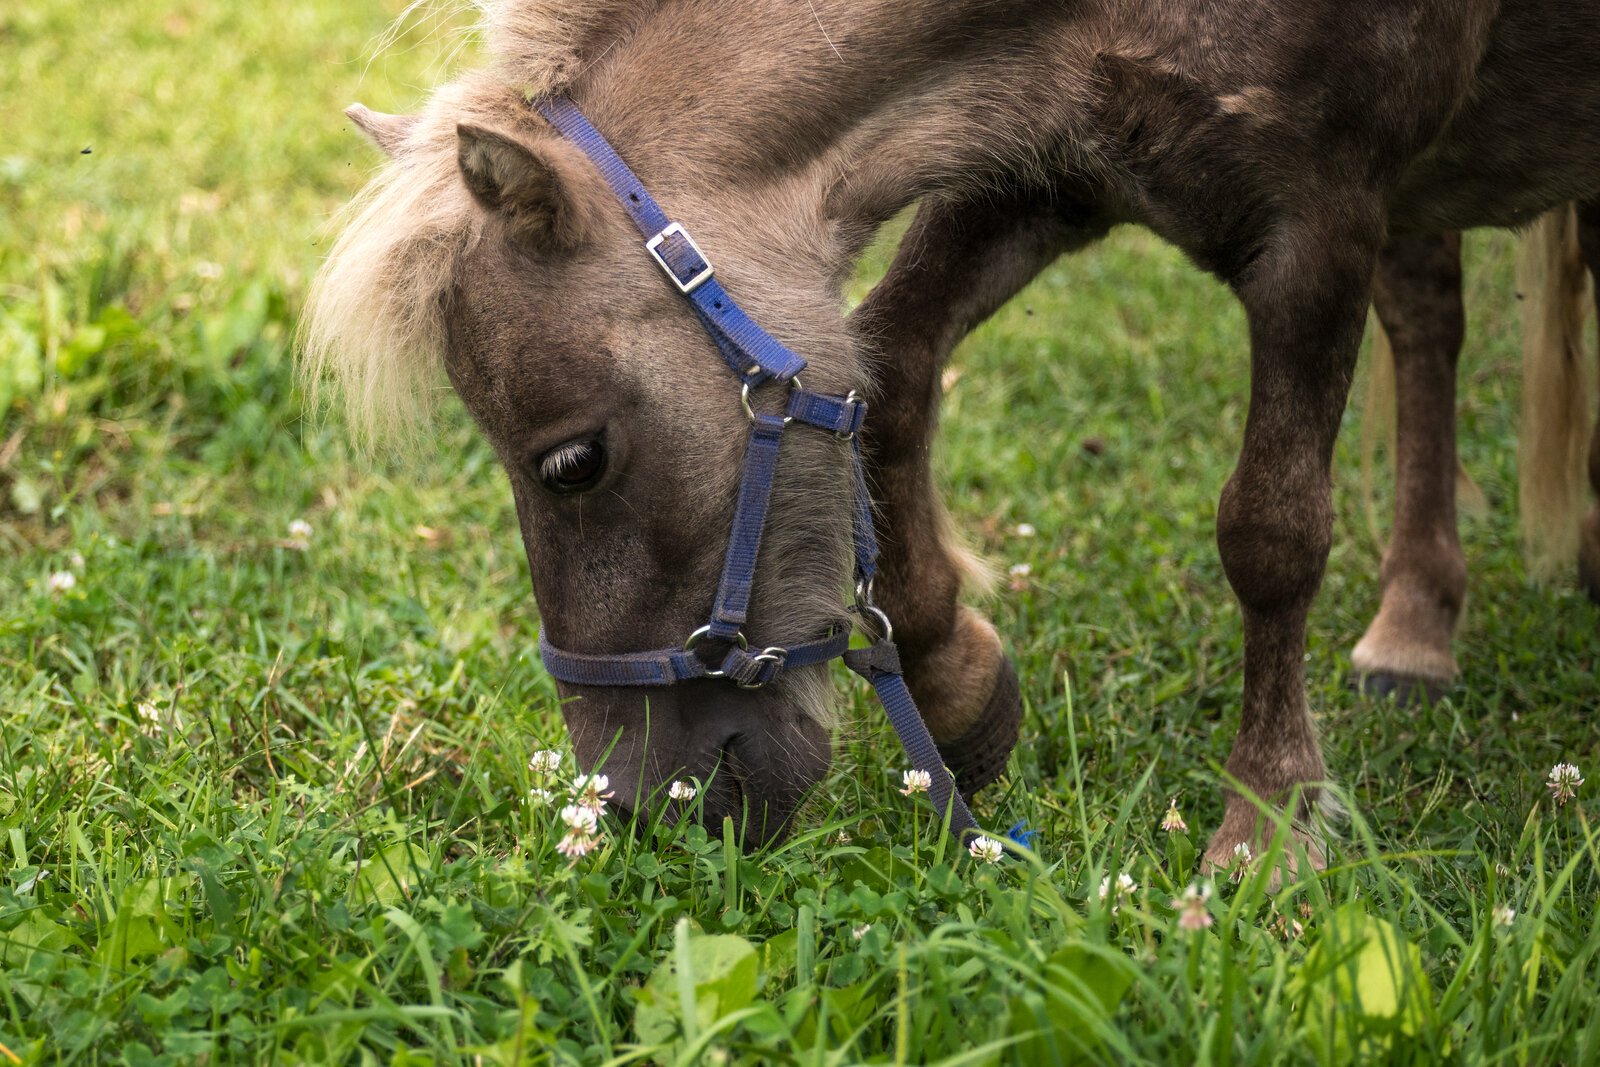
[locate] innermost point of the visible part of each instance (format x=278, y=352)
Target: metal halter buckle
x=653, y=246
x=744, y=394
x=851, y=399
x=766, y=655
x=704, y=631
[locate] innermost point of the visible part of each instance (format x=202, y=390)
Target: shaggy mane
x=373, y=330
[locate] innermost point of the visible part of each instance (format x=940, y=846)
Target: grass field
x=265, y=795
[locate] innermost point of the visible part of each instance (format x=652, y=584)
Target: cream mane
x=373, y=332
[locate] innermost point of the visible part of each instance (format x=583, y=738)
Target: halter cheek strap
x=757, y=358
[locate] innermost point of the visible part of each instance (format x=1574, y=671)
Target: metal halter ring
x=850, y=398
x=694, y=639
x=863, y=609
x=773, y=654
x=744, y=395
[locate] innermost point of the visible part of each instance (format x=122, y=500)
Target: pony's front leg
x=1305, y=297
x=958, y=264
x=1406, y=650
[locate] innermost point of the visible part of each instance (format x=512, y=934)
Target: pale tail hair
x=1553, y=442
x=1552, y=453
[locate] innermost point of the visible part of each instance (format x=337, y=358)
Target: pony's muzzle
x=754, y=754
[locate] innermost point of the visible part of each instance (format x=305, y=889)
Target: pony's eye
x=574, y=466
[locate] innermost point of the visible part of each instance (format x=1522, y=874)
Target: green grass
x=321, y=848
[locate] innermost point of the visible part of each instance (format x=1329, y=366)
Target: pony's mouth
x=755, y=754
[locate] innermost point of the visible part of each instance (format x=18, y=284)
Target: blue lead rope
x=756, y=357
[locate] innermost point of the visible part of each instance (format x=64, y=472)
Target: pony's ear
x=388, y=132
x=535, y=186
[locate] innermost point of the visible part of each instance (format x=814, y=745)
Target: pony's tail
x=1552, y=451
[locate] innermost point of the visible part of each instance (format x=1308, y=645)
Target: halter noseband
x=757, y=358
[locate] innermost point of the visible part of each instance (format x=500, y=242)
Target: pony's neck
x=858, y=106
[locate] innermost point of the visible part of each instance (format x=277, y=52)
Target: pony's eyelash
x=565, y=459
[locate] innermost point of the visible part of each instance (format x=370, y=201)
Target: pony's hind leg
x=958, y=264
x=1589, y=543
x=1406, y=651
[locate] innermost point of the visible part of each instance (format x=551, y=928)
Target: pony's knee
x=1274, y=538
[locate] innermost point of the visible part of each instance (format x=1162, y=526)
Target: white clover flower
x=61, y=582
x=545, y=761
x=1504, y=914
x=1125, y=887
x=1564, y=782
x=1026, y=529
x=861, y=931
x=580, y=819
x=986, y=849
x=1021, y=570
x=149, y=713
x=681, y=790
x=76, y=561
x=575, y=844
x=300, y=532
x=1242, y=858
x=915, y=781
x=843, y=837
x=1191, y=907
x=1172, y=822
x=591, y=791
x=541, y=796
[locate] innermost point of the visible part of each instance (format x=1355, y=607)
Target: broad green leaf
x=388, y=875
x=35, y=933
x=725, y=977
x=1361, y=986
x=1080, y=995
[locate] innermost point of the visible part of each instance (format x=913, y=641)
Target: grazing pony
x=1282, y=147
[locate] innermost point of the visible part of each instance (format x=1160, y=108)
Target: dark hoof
x=979, y=756
x=1407, y=690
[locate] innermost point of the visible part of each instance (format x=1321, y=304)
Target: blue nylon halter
x=756, y=357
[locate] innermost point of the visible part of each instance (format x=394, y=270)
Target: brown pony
x=1282, y=147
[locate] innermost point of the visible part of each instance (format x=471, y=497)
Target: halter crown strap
x=752, y=353
x=756, y=357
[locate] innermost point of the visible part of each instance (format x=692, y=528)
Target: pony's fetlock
x=1406, y=653
x=1244, y=841
x=979, y=756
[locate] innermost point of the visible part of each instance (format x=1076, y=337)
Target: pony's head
x=490, y=246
